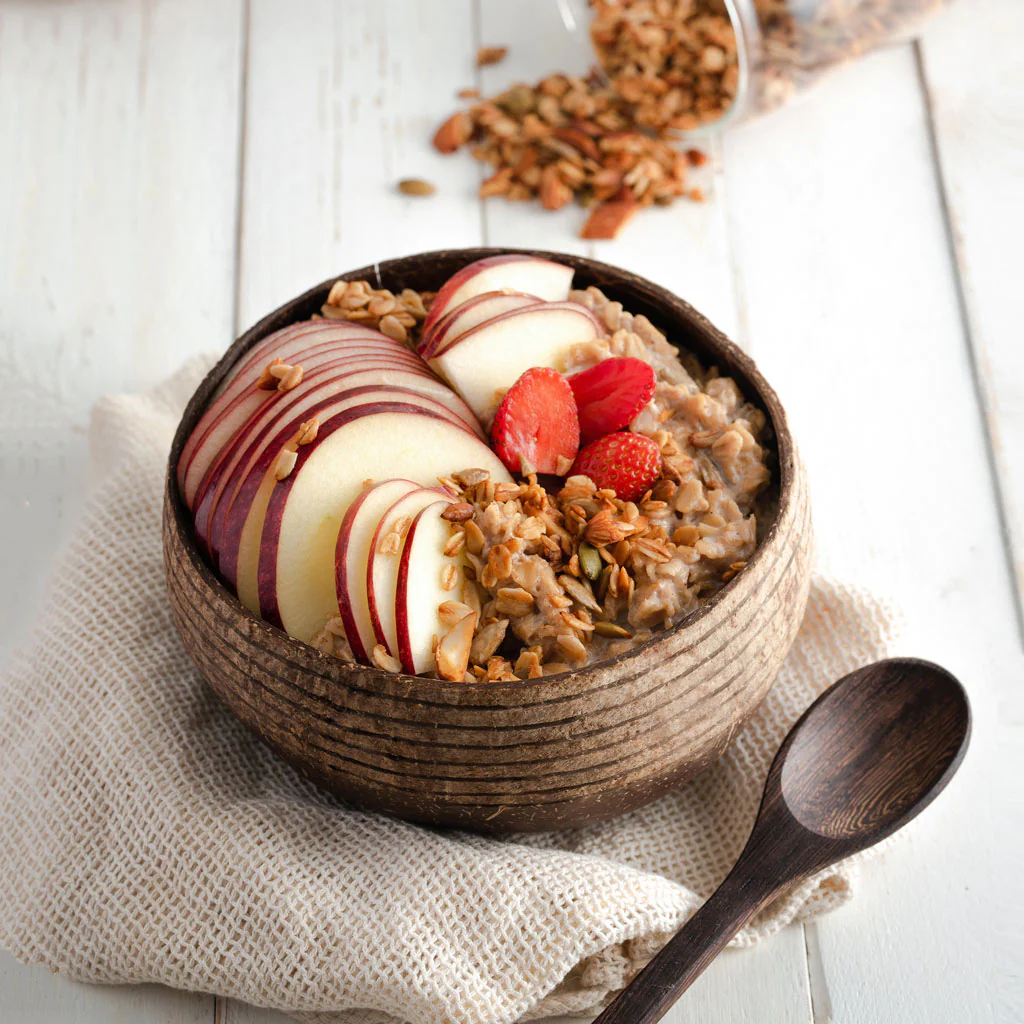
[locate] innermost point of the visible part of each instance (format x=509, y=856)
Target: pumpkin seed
x=590, y=561
x=416, y=187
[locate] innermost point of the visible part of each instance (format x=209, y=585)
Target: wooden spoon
x=867, y=756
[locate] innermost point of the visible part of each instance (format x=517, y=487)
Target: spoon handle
x=648, y=997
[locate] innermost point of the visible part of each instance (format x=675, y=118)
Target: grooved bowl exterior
x=553, y=753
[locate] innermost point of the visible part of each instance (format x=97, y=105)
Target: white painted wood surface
x=171, y=170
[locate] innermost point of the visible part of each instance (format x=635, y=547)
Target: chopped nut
x=458, y=512
x=290, y=379
x=452, y=653
x=308, y=430
x=488, y=55
x=390, y=544
x=471, y=477
x=268, y=379
x=385, y=661
x=608, y=219
x=604, y=529
x=454, y=133
x=562, y=465
x=528, y=665
x=285, y=464
x=390, y=326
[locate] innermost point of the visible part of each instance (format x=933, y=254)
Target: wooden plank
x=119, y=127
x=975, y=82
x=342, y=102
x=32, y=995
x=741, y=987
x=118, y=201
x=852, y=310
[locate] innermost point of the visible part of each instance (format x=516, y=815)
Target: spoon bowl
x=864, y=759
x=873, y=751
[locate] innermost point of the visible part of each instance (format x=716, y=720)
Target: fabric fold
x=146, y=836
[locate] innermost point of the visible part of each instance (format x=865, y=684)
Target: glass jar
x=691, y=64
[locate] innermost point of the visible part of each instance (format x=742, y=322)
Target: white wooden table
x=170, y=170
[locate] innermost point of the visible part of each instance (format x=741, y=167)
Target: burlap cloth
x=146, y=836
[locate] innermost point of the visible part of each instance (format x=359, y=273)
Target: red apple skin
x=240, y=484
x=437, y=339
x=235, y=516
x=401, y=592
x=439, y=306
x=232, y=387
x=304, y=335
x=266, y=572
x=207, y=494
x=574, y=306
x=371, y=596
x=341, y=574
x=245, y=394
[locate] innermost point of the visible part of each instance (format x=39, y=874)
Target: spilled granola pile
x=572, y=138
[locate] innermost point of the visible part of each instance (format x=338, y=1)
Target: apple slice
x=487, y=360
x=296, y=549
x=222, y=484
x=285, y=344
x=426, y=578
x=471, y=313
x=530, y=274
x=344, y=376
x=223, y=417
x=382, y=566
x=253, y=404
x=351, y=559
x=235, y=533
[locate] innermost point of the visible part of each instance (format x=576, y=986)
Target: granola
x=678, y=60
x=559, y=574
x=571, y=138
x=568, y=576
x=398, y=316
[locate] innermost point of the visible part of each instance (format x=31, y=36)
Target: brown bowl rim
x=617, y=278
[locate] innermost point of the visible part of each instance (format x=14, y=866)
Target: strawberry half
x=610, y=394
x=626, y=463
x=536, y=428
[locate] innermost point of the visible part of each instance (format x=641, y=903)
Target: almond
x=455, y=132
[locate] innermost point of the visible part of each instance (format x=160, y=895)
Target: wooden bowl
x=552, y=753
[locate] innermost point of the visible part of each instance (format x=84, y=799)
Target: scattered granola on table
x=571, y=138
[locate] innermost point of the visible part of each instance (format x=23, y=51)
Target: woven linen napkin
x=146, y=836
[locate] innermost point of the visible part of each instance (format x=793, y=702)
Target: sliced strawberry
x=536, y=424
x=626, y=463
x=610, y=394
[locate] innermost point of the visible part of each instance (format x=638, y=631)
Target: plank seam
x=243, y=125
x=981, y=391
x=817, y=984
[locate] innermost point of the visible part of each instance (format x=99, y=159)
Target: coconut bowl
x=552, y=753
